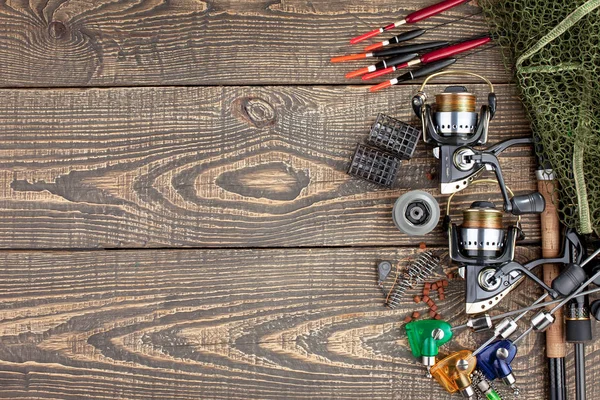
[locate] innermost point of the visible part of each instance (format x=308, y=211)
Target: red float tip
x=358, y=72
x=374, y=46
x=375, y=74
x=350, y=57
x=390, y=26
x=365, y=36
x=382, y=85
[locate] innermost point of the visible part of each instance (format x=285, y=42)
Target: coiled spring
x=478, y=377
x=416, y=273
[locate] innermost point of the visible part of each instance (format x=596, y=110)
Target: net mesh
x=553, y=47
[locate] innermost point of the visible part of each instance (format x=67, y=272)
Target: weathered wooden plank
x=194, y=42
x=223, y=324
x=218, y=167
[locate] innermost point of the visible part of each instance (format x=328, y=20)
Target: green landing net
x=553, y=47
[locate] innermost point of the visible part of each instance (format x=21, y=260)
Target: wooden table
x=175, y=217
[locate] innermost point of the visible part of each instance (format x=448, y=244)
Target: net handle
x=559, y=29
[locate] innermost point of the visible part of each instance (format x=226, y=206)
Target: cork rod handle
x=550, y=225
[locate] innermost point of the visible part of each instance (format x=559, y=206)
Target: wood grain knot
x=255, y=111
x=57, y=29
x=274, y=181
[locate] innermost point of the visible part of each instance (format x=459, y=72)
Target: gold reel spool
x=482, y=218
x=455, y=102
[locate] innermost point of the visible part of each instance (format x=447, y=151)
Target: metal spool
x=416, y=213
x=456, y=113
x=482, y=232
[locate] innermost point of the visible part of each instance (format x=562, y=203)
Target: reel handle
x=532, y=203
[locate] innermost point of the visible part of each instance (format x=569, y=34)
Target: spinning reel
x=484, y=249
x=480, y=245
x=454, y=127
